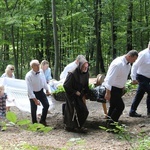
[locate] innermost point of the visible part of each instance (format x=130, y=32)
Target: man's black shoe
x=134, y=114
x=44, y=123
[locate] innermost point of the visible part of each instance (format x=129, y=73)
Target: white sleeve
x=136, y=65
x=111, y=75
x=31, y=95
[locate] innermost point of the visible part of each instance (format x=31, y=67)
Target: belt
x=38, y=91
x=117, y=88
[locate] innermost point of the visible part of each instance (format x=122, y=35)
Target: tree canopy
x=59, y=30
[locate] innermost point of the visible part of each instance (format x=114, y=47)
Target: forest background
x=59, y=30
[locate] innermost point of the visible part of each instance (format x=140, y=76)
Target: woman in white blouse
x=9, y=72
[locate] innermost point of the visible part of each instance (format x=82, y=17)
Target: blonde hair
x=8, y=70
x=43, y=63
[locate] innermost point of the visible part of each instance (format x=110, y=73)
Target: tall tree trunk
x=99, y=58
x=113, y=30
x=42, y=37
x=14, y=52
x=147, y=17
x=47, y=36
x=129, y=26
x=6, y=47
x=56, y=65
x=141, y=20
x=13, y=40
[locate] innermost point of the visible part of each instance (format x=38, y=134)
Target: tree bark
x=56, y=65
x=129, y=26
x=114, y=31
x=99, y=57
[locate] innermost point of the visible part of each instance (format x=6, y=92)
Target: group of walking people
x=116, y=78
x=76, y=84
x=76, y=87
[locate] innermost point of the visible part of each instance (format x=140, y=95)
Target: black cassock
x=76, y=112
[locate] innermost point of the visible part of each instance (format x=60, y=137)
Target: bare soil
x=95, y=139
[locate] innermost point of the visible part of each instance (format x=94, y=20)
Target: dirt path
x=95, y=139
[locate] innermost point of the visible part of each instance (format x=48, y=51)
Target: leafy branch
x=23, y=124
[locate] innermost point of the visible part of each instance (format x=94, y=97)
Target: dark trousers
x=41, y=96
x=116, y=104
x=144, y=86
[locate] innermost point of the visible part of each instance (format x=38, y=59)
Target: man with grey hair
x=140, y=74
x=70, y=67
x=36, y=83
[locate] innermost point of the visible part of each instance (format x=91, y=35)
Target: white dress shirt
x=117, y=73
x=35, y=82
x=70, y=67
x=141, y=65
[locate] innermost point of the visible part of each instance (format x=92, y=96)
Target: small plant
x=26, y=146
x=129, y=86
x=91, y=86
x=59, y=89
x=24, y=124
x=143, y=143
x=59, y=94
x=72, y=142
x=119, y=130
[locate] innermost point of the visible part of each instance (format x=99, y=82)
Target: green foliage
x=143, y=144
x=129, y=86
x=120, y=130
x=60, y=89
x=26, y=146
x=25, y=124
x=122, y=133
x=72, y=142
x=91, y=86
x=11, y=116
x=26, y=31
x=2, y=125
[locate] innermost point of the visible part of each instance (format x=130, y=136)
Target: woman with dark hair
x=76, y=87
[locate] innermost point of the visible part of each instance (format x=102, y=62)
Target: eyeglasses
x=11, y=69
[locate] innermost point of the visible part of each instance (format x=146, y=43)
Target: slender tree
x=129, y=25
x=113, y=30
x=55, y=40
x=99, y=57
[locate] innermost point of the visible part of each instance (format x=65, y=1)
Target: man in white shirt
x=114, y=82
x=36, y=83
x=70, y=67
x=140, y=74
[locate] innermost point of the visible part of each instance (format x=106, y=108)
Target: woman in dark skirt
x=76, y=87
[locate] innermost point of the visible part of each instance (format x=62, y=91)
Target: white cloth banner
x=16, y=90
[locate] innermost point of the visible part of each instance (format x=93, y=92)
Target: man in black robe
x=76, y=87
